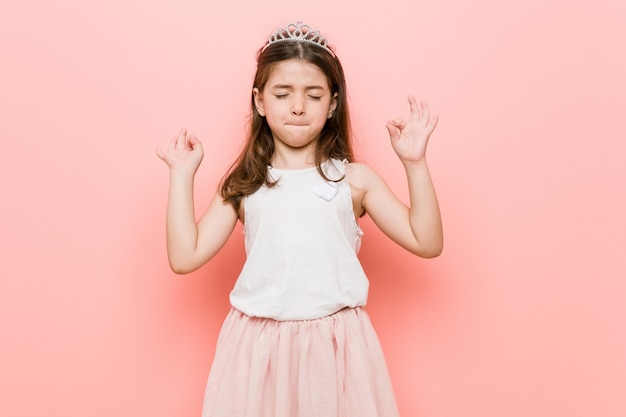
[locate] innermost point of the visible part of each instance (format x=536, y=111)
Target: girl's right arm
x=189, y=244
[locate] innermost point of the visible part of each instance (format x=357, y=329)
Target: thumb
x=160, y=153
x=194, y=142
x=393, y=129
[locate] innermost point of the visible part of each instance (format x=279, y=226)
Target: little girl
x=297, y=341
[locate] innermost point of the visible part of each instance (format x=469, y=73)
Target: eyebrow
x=288, y=87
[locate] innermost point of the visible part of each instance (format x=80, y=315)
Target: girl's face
x=296, y=101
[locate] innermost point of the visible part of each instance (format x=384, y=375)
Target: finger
x=425, y=111
x=173, y=141
x=194, y=142
x=394, y=134
x=416, y=109
x=181, y=141
x=160, y=153
x=432, y=123
x=399, y=123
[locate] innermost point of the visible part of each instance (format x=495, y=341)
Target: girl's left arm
x=417, y=228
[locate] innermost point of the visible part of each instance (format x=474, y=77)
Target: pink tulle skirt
x=327, y=367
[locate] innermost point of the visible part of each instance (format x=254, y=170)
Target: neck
x=293, y=158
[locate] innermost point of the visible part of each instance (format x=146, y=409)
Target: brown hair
x=249, y=171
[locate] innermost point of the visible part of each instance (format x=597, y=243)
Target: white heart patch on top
x=326, y=190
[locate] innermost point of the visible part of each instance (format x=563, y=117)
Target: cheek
x=323, y=111
x=274, y=107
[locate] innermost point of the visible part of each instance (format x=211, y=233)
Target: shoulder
x=372, y=191
x=361, y=176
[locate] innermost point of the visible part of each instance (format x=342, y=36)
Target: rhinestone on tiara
x=300, y=32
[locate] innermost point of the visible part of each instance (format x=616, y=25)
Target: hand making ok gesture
x=183, y=154
x=409, y=139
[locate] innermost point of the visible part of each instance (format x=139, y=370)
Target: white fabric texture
x=301, y=240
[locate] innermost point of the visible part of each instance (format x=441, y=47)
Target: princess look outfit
x=297, y=342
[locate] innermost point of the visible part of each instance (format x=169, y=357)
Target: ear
x=258, y=101
x=333, y=106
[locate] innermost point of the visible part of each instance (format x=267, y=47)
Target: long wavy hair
x=249, y=171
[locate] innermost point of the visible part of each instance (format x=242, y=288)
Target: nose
x=298, y=106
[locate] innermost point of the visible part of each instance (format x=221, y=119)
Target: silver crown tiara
x=301, y=32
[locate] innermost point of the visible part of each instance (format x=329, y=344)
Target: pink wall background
x=522, y=315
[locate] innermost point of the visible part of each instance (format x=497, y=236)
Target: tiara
x=300, y=32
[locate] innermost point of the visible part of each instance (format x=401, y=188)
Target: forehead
x=296, y=72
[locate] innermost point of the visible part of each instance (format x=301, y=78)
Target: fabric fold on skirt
x=328, y=367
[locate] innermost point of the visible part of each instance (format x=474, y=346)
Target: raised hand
x=184, y=153
x=409, y=139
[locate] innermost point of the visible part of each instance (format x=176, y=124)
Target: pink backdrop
x=522, y=315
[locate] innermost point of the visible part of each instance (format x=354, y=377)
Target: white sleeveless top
x=301, y=242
